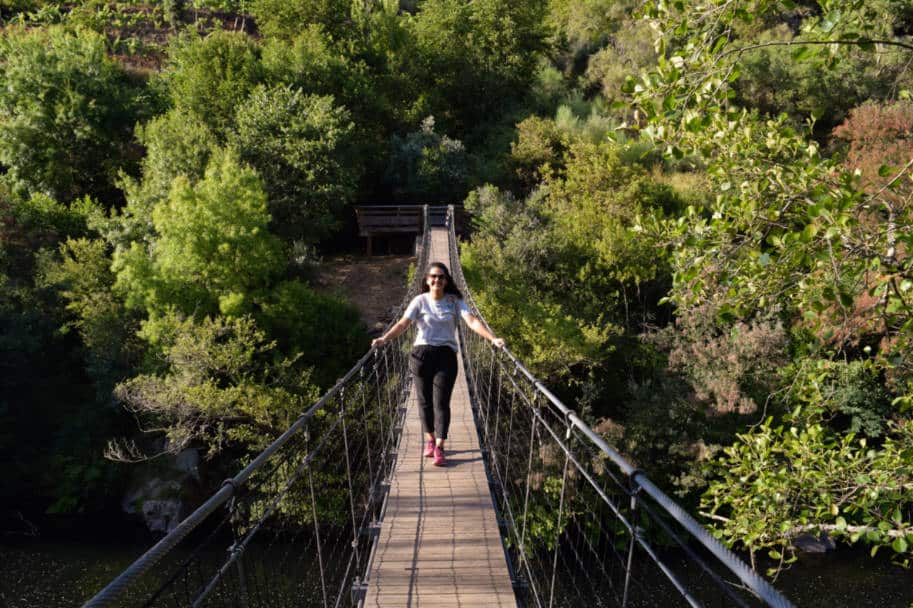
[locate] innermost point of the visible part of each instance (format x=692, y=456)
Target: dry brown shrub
x=730, y=366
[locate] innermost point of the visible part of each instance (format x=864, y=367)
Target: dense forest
x=692, y=216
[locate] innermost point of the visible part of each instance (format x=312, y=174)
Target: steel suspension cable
x=628, y=502
x=268, y=497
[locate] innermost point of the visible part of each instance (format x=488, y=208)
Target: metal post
x=567, y=460
x=242, y=582
x=345, y=441
x=635, y=531
x=323, y=582
x=529, y=470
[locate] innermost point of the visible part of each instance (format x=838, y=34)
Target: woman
x=433, y=362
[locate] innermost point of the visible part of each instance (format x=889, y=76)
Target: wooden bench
x=392, y=220
x=386, y=220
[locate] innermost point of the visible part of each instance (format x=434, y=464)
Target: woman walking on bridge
x=433, y=362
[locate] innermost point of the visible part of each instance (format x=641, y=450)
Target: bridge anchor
x=359, y=591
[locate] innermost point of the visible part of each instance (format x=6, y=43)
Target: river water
x=42, y=573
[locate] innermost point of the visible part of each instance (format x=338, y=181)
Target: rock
x=162, y=515
x=188, y=461
x=164, y=492
x=811, y=544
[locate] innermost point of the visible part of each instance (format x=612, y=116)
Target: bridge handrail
x=760, y=586
x=112, y=592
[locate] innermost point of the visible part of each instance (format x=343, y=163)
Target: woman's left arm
x=477, y=326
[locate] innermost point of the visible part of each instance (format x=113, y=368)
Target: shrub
x=67, y=113
x=286, y=18
x=211, y=76
x=211, y=251
x=302, y=147
x=427, y=166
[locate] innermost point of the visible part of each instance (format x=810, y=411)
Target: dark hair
x=449, y=287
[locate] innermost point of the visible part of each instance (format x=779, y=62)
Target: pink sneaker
x=429, y=448
x=439, y=457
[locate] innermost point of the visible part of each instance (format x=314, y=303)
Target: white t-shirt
x=436, y=319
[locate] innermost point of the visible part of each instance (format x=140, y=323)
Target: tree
x=81, y=271
x=223, y=386
x=629, y=51
x=212, y=250
x=286, y=18
x=790, y=230
x=473, y=59
x=177, y=143
x=779, y=482
x=66, y=113
x=300, y=320
x=302, y=146
x=210, y=77
x=317, y=64
x=427, y=166
x=348, y=70
x=572, y=273
x=46, y=389
x=819, y=85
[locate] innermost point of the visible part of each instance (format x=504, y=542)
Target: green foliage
x=511, y=249
x=79, y=479
x=569, y=267
x=778, y=482
x=67, y=111
x=301, y=145
x=473, y=59
x=11, y=7
x=302, y=319
x=212, y=249
x=177, y=144
x=773, y=81
x=210, y=77
x=81, y=271
x=427, y=166
x=583, y=25
x=286, y=18
x=538, y=150
x=630, y=51
x=53, y=428
x=223, y=384
x=28, y=224
x=849, y=396
x=792, y=231
x=596, y=205
x=316, y=64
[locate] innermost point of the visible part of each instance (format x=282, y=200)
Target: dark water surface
x=40, y=573
x=847, y=578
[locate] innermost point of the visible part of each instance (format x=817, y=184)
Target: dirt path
x=375, y=285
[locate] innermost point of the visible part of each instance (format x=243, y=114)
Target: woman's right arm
x=401, y=326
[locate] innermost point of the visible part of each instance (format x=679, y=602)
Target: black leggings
x=434, y=369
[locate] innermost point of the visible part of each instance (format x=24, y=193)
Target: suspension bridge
x=534, y=508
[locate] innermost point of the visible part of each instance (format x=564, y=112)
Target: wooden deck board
x=439, y=541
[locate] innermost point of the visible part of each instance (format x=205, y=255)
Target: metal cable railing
x=582, y=526
x=296, y=525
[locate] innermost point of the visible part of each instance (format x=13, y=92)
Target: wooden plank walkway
x=439, y=542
